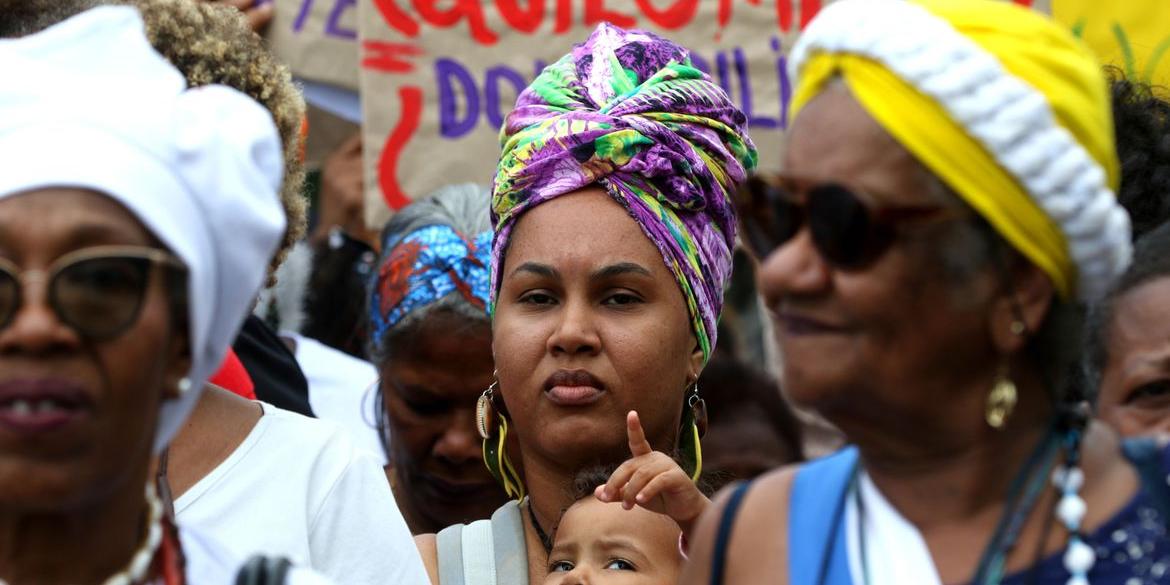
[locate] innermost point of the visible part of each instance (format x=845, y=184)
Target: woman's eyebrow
x=538, y=269
x=619, y=269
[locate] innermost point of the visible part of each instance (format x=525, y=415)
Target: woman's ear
x=695, y=364
x=1021, y=307
x=178, y=364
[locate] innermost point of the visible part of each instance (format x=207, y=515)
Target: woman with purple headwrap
x=613, y=235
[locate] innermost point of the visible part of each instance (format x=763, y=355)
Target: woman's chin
x=42, y=487
x=580, y=439
x=817, y=389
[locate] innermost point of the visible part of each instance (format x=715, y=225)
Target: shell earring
x=485, y=412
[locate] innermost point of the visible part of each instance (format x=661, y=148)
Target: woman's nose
x=795, y=268
x=35, y=327
x=575, y=333
x=459, y=444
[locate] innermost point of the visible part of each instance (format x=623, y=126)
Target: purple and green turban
x=628, y=112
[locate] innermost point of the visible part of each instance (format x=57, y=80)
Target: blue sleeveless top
x=1133, y=548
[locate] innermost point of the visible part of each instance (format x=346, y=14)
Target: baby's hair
x=589, y=478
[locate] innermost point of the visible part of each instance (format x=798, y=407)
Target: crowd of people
x=964, y=266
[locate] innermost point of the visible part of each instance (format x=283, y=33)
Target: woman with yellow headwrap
x=947, y=200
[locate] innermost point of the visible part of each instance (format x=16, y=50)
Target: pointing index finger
x=638, y=444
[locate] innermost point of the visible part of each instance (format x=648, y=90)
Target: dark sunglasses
x=98, y=291
x=847, y=232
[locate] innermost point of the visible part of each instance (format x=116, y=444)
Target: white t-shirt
x=296, y=487
x=208, y=563
x=341, y=389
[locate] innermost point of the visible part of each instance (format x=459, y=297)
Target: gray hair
x=1151, y=261
x=463, y=208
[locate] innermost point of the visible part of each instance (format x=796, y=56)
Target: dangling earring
x=485, y=413
x=1001, y=401
x=694, y=426
x=493, y=428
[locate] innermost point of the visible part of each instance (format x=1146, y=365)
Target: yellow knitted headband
x=1004, y=106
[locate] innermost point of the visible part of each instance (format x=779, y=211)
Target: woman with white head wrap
x=136, y=222
x=947, y=200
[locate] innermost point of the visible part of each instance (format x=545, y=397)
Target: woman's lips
x=574, y=395
x=573, y=388
x=794, y=324
x=452, y=490
x=39, y=406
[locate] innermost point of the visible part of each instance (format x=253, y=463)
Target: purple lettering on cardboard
x=721, y=71
x=447, y=73
x=303, y=15
x=333, y=26
x=491, y=93
x=745, y=90
x=782, y=71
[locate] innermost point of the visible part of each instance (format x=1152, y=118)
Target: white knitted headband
x=1009, y=118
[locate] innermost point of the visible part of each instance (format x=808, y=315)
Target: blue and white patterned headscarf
x=425, y=266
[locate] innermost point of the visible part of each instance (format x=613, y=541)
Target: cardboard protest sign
x=437, y=82
x=438, y=76
x=317, y=39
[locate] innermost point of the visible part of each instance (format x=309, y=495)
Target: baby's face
x=601, y=543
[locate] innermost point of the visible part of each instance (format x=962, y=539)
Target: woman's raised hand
x=653, y=480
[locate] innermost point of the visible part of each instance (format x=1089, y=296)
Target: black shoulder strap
x=723, y=537
x=264, y=570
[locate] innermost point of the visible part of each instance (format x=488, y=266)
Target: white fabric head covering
x=89, y=104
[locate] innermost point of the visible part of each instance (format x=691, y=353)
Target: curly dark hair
x=1141, y=119
x=210, y=44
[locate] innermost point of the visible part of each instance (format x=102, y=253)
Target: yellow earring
x=492, y=426
x=1001, y=401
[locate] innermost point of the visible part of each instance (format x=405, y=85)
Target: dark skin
x=901, y=337
x=220, y=422
x=430, y=386
x=76, y=492
x=1135, y=384
x=611, y=308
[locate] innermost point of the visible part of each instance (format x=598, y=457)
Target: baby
x=630, y=529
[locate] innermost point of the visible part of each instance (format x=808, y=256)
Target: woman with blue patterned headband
x=430, y=339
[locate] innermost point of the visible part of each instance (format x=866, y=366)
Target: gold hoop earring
x=1001, y=401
